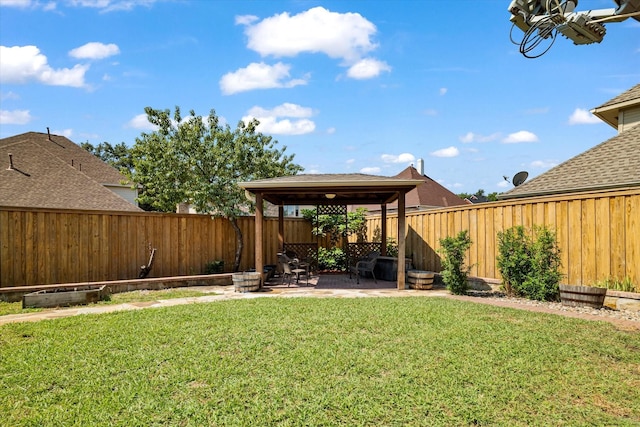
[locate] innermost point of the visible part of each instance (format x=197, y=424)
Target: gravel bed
x=633, y=316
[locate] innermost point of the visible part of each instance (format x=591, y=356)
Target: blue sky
x=346, y=86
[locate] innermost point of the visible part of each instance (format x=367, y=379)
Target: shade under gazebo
x=331, y=189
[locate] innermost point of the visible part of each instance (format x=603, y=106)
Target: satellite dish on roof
x=519, y=178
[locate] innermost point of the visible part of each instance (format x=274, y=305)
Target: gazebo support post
x=281, y=228
x=402, y=233
x=259, y=244
x=383, y=230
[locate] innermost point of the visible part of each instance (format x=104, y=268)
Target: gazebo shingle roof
x=312, y=189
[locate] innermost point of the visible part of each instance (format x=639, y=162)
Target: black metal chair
x=365, y=265
x=292, y=267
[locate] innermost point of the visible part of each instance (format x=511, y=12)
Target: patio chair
x=365, y=265
x=292, y=267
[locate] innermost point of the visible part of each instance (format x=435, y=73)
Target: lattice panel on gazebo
x=307, y=252
x=332, y=209
x=360, y=250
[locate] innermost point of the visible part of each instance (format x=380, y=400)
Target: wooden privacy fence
x=598, y=236
x=39, y=246
x=598, y=233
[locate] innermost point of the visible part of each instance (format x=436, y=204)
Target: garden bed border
x=15, y=293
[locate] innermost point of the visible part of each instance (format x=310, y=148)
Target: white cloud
x=503, y=184
x=367, y=68
x=521, y=136
x=284, y=110
x=430, y=112
x=28, y=4
x=141, y=122
x=246, y=19
x=9, y=95
x=443, y=91
x=271, y=125
x=64, y=132
x=401, y=158
x=350, y=161
x=373, y=170
x=470, y=137
x=95, y=50
x=543, y=164
x=345, y=36
x=102, y=5
x=23, y=4
x=331, y=131
x=583, y=117
x=111, y=5
x=22, y=64
x=446, y=152
x=15, y=117
x=271, y=122
x=259, y=76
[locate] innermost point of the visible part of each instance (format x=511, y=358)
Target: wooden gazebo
x=331, y=189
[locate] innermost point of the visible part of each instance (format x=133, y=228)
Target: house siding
x=127, y=193
x=628, y=119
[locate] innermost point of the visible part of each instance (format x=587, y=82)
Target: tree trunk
x=239, y=244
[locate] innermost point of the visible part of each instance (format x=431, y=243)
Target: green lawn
x=310, y=361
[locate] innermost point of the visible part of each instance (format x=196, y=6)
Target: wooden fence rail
x=598, y=233
x=40, y=246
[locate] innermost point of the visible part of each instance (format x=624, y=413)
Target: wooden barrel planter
x=582, y=296
x=422, y=280
x=246, y=282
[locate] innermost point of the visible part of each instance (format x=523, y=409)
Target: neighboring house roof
x=428, y=195
x=54, y=172
x=614, y=163
x=608, y=112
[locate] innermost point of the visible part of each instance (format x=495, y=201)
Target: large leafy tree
x=491, y=197
x=198, y=161
x=119, y=155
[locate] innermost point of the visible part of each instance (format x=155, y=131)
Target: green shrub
x=455, y=273
x=332, y=259
x=214, y=267
x=624, y=285
x=392, y=247
x=514, y=258
x=530, y=267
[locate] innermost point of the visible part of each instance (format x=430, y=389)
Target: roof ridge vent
x=13, y=168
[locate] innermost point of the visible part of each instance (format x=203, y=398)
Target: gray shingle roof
x=43, y=175
x=609, y=111
x=614, y=163
x=629, y=95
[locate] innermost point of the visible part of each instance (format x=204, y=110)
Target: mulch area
x=619, y=323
